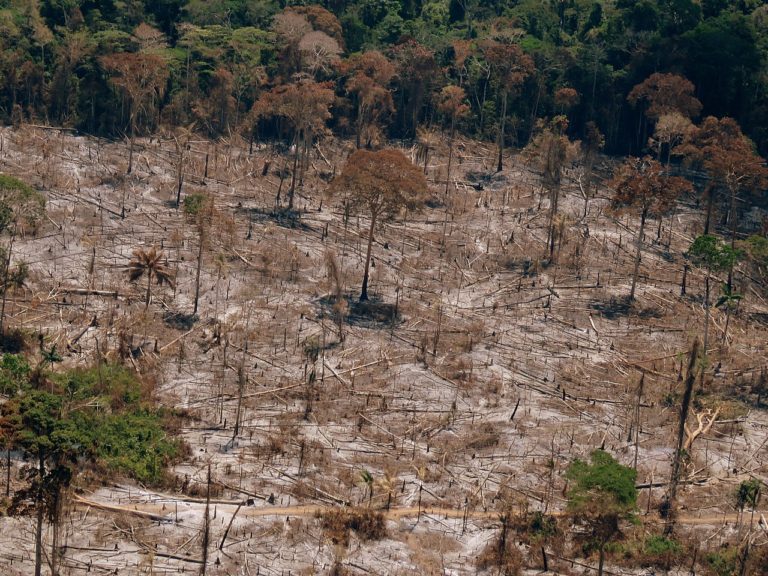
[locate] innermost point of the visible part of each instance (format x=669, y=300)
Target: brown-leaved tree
x=381, y=183
x=643, y=184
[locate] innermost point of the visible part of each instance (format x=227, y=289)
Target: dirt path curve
x=161, y=511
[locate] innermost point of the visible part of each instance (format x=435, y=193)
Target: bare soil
x=480, y=371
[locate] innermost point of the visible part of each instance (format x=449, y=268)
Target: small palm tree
x=149, y=262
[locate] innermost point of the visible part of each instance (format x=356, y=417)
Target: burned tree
x=381, y=184
x=642, y=183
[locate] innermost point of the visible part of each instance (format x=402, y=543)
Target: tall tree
x=141, y=78
x=666, y=93
x=591, y=144
x=602, y=493
x=551, y=148
x=305, y=107
x=382, y=183
x=714, y=255
x=690, y=380
x=510, y=67
x=452, y=105
x=643, y=184
x=417, y=71
x=368, y=83
x=734, y=167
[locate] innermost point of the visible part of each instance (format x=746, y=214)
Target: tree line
x=381, y=66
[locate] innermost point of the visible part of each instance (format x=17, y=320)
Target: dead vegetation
x=478, y=368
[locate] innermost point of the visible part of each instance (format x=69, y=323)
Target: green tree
x=602, y=493
x=715, y=256
x=58, y=421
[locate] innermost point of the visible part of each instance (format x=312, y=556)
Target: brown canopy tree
x=510, y=67
x=380, y=183
x=417, y=71
x=452, y=105
x=719, y=147
x=661, y=95
x=551, y=148
x=643, y=183
x=304, y=106
x=665, y=93
x=141, y=78
x=369, y=77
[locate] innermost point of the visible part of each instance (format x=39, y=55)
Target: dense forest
x=380, y=68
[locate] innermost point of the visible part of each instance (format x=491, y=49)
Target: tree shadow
x=371, y=313
x=621, y=306
x=284, y=217
x=180, y=320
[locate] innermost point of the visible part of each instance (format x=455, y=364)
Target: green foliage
x=658, y=545
x=51, y=49
x=20, y=204
x=194, y=203
x=14, y=374
x=712, y=253
x=728, y=298
x=101, y=414
x=757, y=249
x=603, y=482
x=748, y=493
x=724, y=562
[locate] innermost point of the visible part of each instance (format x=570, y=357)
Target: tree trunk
x=132, y=128
x=149, y=288
x=199, y=266
x=710, y=192
x=8, y=466
x=503, y=120
x=450, y=154
x=179, y=177
x=706, y=313
x=690, y=379
x=544, y=560
x=292, y=189
x=40, y=516
x=636, y=269
x=637, y=417
x=240, y=387
x=364, y=291
x=554, y=200
x=601, y=562
x=206, y=524
x=727, y=321
x=5, y=286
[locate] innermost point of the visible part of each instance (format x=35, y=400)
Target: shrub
x=367, y=524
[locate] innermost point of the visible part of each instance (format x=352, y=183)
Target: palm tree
x=149, y=262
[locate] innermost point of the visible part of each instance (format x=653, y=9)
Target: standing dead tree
x=690, y=380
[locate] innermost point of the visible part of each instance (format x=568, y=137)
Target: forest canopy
x=68, y=62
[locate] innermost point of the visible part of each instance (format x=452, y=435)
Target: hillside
x=454, y=399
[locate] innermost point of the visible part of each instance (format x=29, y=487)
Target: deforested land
x=371, y=303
